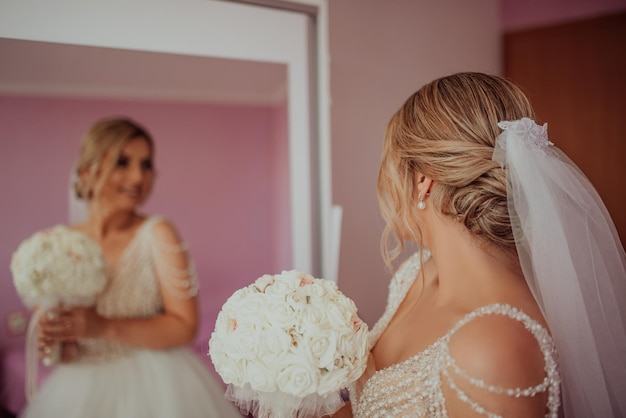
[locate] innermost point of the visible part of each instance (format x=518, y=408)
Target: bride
x=515, y=304
x=128, y=357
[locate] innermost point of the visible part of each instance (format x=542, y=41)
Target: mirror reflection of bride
x=198, y=24
x=128, y=356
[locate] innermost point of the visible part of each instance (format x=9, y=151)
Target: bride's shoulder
x=163, y=230
x=500, y=349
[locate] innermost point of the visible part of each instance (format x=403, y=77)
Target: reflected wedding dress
x=112, y=380
x=414, y=387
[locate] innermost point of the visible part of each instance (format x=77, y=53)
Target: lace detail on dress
x=133, y=290
x=413, y=388
x=98, y=350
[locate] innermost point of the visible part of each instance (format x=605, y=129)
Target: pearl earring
x=420, y=204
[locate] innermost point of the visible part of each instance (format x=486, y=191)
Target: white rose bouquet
x=287, y=344
x=53, y=268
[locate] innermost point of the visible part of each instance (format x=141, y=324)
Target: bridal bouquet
x=287, y=344
x=56, y=267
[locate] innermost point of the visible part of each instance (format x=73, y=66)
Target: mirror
x=223, y=137
x=222, y=30
x=221, y=154
x=264, y=41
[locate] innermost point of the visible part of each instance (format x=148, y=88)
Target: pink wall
x=217, y=173
x=380, y=53
x=518, y=14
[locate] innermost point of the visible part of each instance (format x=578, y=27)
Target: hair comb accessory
x=527, y=129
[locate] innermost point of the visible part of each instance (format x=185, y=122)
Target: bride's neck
x=468, y=270
x=102, y=222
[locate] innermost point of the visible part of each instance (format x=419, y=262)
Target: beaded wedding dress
x=414, y=387
x=112, y=380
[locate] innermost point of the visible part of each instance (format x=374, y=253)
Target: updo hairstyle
x=447, y=131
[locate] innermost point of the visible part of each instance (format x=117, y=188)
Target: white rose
x=283, y=285
x=280, y=315
x=230, y=369
x=262, y=282
x=339, y=318
x=260, y=376
x=322, y=347
x=297, y=376
x=297, y=301
x=332, y=381
x=291, y=276
x=252, y=309
x=353, y=343
x=241, y=343
x=313, y=319
x=316, y=290
x=273, y=343
x=353, y=349
x=347, y=345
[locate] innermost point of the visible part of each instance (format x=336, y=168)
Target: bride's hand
x=70, y=350
x=45, y=345
x=86, y=323
x=72, y=324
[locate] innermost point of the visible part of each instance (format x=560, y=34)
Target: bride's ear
x=424, y=185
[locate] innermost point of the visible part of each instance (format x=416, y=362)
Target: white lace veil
x=573, y=262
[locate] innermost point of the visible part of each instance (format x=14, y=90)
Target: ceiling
x=48, y=69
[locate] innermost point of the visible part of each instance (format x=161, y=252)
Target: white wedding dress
x=112, y=380
x=414, y=387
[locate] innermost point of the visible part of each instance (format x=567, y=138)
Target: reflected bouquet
x=287, y=344
x=58, y=266
x=53, y=268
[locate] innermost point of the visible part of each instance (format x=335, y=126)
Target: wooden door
x=575, y=76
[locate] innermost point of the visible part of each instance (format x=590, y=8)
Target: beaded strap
x=551, y=382
x=182, y=283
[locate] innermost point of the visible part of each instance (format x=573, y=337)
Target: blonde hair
x=106, y=136
x=447, y=131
